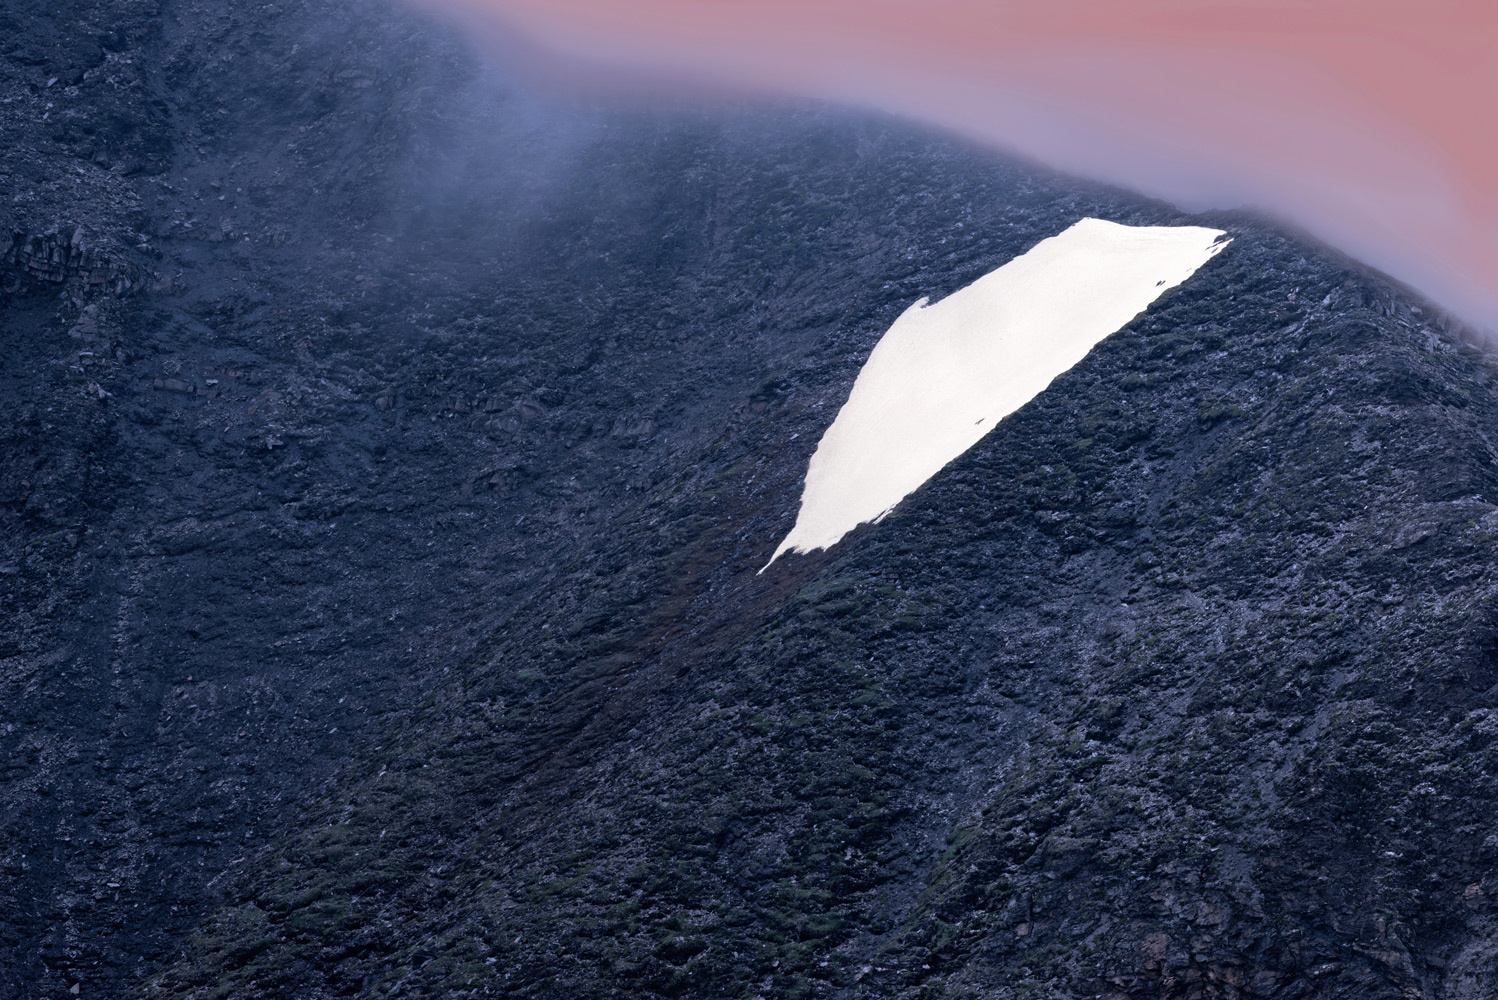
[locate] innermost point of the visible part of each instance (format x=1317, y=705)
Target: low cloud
x=1371, y=124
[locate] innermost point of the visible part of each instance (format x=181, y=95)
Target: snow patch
x=945, y=374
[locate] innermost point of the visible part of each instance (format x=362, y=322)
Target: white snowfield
x=945, y=374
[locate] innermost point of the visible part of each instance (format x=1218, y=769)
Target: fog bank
x=1372, y=124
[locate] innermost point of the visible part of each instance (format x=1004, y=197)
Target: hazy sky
x=1371, y=123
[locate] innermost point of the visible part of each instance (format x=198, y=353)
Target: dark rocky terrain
x=388, y=460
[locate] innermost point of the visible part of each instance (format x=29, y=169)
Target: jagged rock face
x=57, y=258
x=378, y=572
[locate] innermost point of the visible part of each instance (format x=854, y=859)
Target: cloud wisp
x=1372, y=124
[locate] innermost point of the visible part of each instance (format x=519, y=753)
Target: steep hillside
x=390, y=462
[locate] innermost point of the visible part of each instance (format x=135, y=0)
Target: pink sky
x=1371, y=123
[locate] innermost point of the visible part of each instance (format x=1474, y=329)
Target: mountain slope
x=397, y=631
